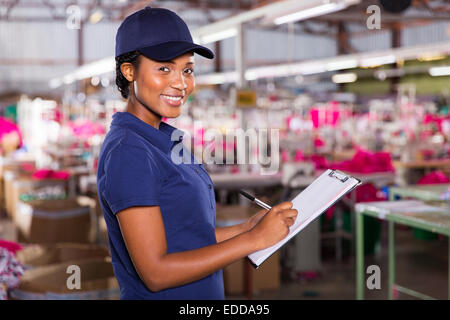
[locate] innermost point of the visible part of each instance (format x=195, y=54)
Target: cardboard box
x=234, y=214
x=267, y=276
x=7, y=164
x=52, y=221
x=36, y=255
x=8, y=230
x=25, y=185
x=102, y=230
x=17, y=182
x=9, y=176
x=53, y=282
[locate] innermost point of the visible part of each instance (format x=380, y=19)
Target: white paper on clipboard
x=321, y=194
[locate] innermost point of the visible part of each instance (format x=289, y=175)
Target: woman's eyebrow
x=172, y=62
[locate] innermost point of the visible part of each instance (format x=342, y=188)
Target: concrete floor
x=421, y=265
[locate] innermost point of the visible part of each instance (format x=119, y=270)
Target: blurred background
x=356, y=85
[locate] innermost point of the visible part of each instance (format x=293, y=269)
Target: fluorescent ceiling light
x=321, y=65
x=342, y=64
x=55, y=83
x=377, y=61
x=217, y=36
x=96, y=17
x=95, y=68
x=430, y=56
x=95, y=81
x=68, y=79
x=217, y=78
x=344, y=77
x=284, y=70
x=439, y=71
x=322, y=9
x=86, y=71
x=312, y=68
x=266, y=72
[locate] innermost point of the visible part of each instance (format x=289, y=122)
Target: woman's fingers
x=290, y=213
x=289, y=216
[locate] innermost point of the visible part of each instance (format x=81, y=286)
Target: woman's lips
x=175, y=101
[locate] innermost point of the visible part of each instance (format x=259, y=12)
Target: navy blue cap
x=158, y=34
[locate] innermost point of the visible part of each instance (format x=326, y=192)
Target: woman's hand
x=253, y=220
x=274, y=225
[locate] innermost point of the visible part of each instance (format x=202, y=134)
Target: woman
x=160, y=214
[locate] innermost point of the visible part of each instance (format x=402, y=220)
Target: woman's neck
x=142, y=112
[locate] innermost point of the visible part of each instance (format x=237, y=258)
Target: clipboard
x=320, y=195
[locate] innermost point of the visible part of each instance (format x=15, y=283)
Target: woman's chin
x=173, y=113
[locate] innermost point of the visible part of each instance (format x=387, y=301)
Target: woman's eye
x=189, y=71
x=165, y=69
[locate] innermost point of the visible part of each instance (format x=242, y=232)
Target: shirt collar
x=164, y=138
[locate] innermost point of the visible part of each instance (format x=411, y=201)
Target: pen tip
x=245, y=194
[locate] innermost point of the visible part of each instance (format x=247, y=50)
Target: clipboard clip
x=338, y=175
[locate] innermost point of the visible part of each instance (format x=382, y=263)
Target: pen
x=255, y=200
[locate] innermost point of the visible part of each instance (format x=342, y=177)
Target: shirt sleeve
x=132, y=179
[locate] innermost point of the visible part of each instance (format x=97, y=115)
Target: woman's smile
x=173, y=100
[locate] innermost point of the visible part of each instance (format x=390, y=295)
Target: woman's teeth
x=172, y=98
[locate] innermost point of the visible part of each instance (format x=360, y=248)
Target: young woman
x=161, y=214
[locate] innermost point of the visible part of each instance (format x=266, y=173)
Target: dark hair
x=122, y=83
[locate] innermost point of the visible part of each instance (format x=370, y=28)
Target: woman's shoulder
x=127, y=142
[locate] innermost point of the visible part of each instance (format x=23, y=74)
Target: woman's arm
x=225, y=233
x=143, y=231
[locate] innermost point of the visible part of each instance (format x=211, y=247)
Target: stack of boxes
x=66, y=271
x=58, y=235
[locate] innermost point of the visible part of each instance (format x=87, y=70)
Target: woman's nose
x=179, y=82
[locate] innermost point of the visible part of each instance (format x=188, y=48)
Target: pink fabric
x=299, y=156
x=365, y=193
x=320, y=162
x=50, y=174
x=199, y=136
x=288, y=120
x=368, y=193
x=427, y=153
x=318, y=143
x=362, y=162
x=28, y=167
x=435, y=177
x=366, y=162
x=308, y=274
x=7, y=126
x=285, y=156
x=11, y=246
x=324, y=117
x=436, y=119
x=86, y=129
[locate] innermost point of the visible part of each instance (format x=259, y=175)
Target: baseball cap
x=157, y=33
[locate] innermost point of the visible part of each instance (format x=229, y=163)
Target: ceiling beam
x=386, y=17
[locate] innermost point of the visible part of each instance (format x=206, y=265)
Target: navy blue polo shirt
x=139, y=165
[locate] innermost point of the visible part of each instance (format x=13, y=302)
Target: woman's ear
x=127, y=70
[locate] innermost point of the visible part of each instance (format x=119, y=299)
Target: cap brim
x=172, y=49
